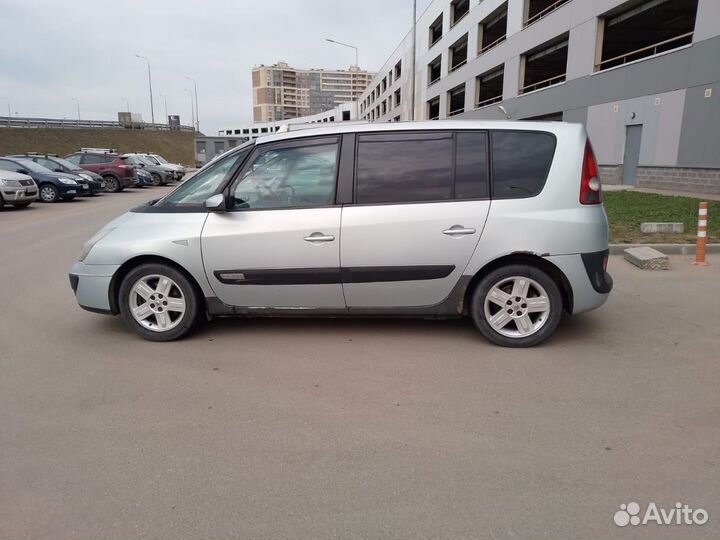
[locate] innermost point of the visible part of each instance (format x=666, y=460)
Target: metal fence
x=18, y=122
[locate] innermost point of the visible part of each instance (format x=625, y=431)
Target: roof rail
x=103, y=150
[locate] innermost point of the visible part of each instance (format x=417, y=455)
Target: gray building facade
x=642, y=75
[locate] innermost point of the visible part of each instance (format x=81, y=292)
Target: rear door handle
x=318, y=237
x=459, y=230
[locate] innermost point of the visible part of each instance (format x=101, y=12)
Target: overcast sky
x=53, y=51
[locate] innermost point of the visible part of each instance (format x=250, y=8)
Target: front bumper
x=70, y=191
x=19, y=195
x=91, y=285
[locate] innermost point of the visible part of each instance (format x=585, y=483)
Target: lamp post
x=412, y=83
x=152, y=108
x=355, y=97
x=167, y=118
x=192, y=109
x=197, y=113
x=77, y=102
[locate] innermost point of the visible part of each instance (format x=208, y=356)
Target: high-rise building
x=642, y=75
x=281, y=92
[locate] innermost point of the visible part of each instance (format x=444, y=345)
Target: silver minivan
x=502, y=222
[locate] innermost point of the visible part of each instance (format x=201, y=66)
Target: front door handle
x=318, y=237
x=459, y=230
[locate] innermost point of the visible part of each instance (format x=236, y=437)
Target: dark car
x=160, y=175
x=53, y=186
x=57, y=164
x=107, y=163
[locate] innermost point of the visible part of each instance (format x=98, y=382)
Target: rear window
x=520, y=163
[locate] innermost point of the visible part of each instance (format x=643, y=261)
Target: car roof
x=427, y=125
x=11, y=175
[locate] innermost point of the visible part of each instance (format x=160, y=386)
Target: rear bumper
x=591, y=285
x=91, y=285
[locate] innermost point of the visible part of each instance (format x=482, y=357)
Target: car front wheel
x=49, y=193
x=517, y=306
x=158, y=302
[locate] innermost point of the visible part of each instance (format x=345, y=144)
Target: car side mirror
x=216, y=203
x=22, y=171
x=58, y=169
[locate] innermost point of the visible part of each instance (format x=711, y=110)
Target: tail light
x=590, y=188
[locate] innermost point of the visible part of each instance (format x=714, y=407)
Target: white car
x=502, y=222
x=18, y=190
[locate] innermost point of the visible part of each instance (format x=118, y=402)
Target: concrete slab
x=665, y=228
x=647, y=258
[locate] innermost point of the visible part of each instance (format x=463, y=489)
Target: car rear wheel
x=158, y=302
x=156, y=179
x=111, y=184
x=517, y=306
x=49, y=193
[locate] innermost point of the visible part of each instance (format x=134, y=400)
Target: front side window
x=205, y=183
x=404, y=167
x=291, y=177
x=520, y=163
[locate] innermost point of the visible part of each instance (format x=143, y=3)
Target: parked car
x=177, y=169
x=18, y=190
x=502, y=222
x=144, y=178
x=116, y=174
x=52, y=186
x=160, y=175
x=58, y=164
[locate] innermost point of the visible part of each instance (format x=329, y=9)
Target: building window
x=458, y=9
x=397, y=97
x=545, y=66
x=396, y=119
x=346, y=116
x=537, y=9
x=433, y=108
x=489, y=87
x=398, y=70
x=383, y=107
x=493, y=30
x=645, y=30
x=434, y=70
x=384, y=84
x=436, y=30
x=237, y=132
x=458, y=53
x=456, y=100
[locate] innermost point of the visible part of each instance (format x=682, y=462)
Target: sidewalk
x=620, y=187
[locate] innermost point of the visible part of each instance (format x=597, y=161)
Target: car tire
x=111, y=183
x=153, y=296
x=516, y=306
x=48, y=193
x=156, y=179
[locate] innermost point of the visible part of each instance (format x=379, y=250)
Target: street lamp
x=152, y=109
x=414, y=54
x=355, y=95
x=77, y=102
x=167, y=118
x=197, y=114
x=192, y=109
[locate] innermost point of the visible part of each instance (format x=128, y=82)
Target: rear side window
x=471, y=167
x=404, y=167
x=520, y=163
x=93, y=159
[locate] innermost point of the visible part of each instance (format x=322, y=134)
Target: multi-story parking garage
x=642, y=75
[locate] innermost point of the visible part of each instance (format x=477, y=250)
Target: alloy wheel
x=517, y=307
x=48, y=194
x=157, y=303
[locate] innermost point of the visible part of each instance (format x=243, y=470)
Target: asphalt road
x=346, y=428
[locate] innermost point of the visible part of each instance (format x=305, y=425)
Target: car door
x=420, y=205
x=277, y=246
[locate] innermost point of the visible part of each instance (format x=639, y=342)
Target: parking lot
x=347, y=428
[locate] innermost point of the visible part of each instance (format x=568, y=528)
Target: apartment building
x=642, y=75
x=281, y=92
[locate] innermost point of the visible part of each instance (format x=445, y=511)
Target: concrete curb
x=667, y=249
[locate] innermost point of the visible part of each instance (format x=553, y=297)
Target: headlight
x=86, y=177
x=87, y=246
x=10, y=183
x=68, y=181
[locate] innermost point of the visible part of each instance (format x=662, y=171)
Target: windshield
x=65, y=163
x=161, y=160
x=207, y=181
x=146, y=161
x=32, y=166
